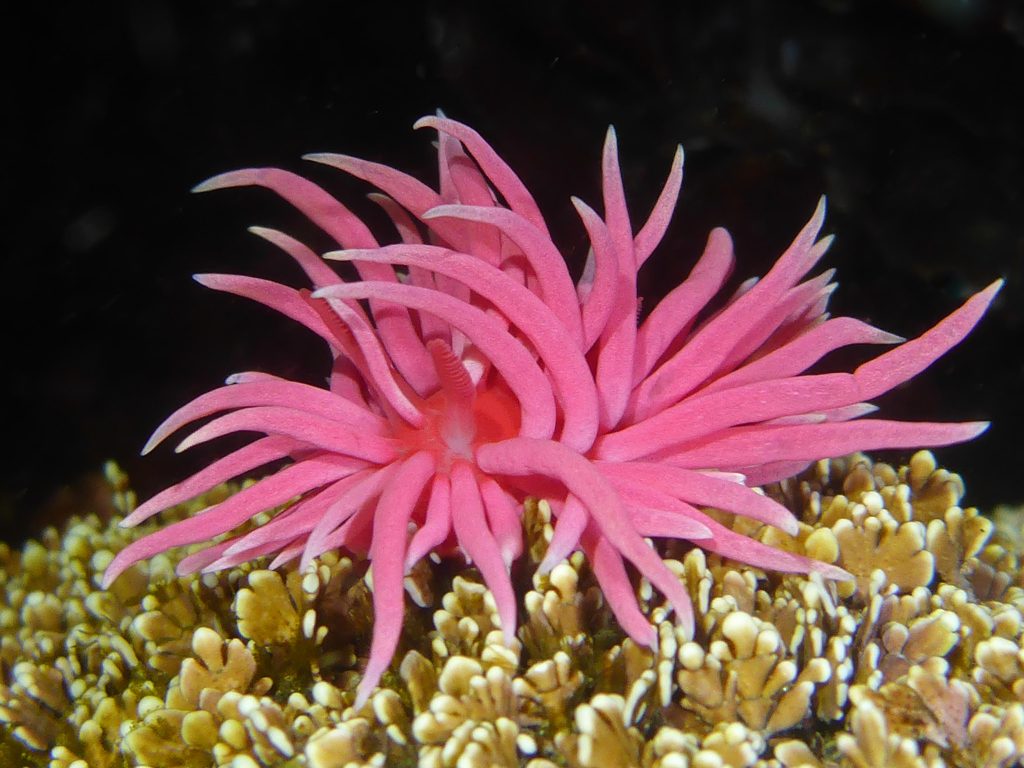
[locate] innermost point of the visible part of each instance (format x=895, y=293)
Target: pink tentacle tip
x=341, y=162
x=240, y=178
x=469, y=372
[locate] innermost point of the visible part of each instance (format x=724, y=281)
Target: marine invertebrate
x=482, y=374
x=166, y=671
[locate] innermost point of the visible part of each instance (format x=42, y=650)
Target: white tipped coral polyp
x=471, y=371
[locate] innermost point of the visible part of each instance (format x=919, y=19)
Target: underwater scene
x=557, y=386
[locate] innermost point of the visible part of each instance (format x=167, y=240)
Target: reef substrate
x=916, y=663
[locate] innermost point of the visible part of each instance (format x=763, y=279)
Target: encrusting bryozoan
x=479, y=373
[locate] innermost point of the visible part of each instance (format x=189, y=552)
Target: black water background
x=908, y=115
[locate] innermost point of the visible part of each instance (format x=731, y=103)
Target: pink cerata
x=470, y=371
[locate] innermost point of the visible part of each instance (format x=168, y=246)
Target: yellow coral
x=916, y=663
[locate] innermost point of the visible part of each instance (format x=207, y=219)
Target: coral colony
x=471, y=372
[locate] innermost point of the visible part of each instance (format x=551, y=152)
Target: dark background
x=907, y=114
